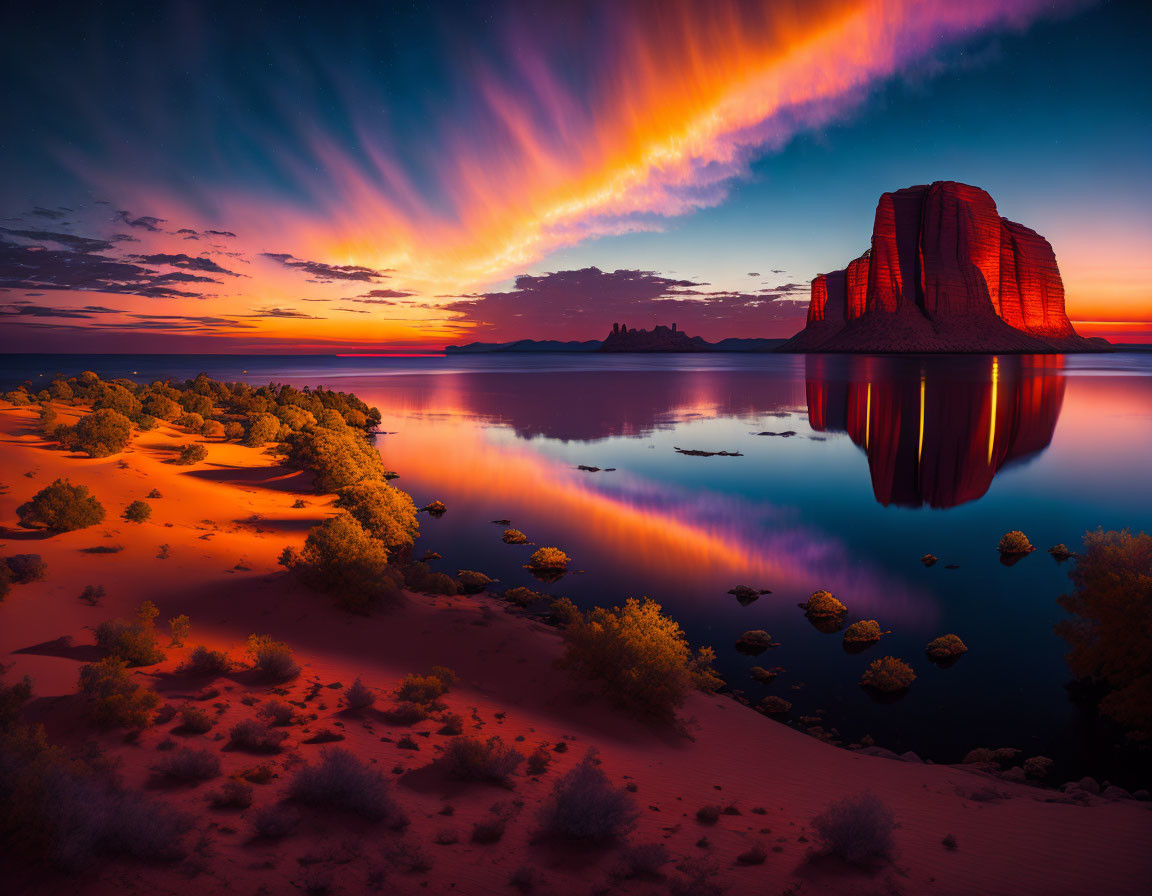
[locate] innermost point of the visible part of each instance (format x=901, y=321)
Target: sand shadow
x=63, y=648
x=279, y=524
x=10, y=533
x=276, y=478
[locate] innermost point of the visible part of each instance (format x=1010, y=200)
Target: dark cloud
x=281, y=312
x=384, y=294
x=754, y=274
x=777, y=270
x=145, y=222
x=584, y=304
x=21, y=309
x=180, y=260
x=50, y=213
x=353, y=310
x=228, y=233
x=327, y=272
x=78, y=265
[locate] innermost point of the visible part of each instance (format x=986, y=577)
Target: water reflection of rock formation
x=937, y=434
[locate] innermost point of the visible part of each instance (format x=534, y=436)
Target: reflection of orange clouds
x=666, y=538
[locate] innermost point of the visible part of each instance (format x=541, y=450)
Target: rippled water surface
x=851, y=469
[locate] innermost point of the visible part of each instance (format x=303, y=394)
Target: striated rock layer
x=945, y=273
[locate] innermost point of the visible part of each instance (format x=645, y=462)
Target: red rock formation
x=945, y=273
x=857, y=299
x=1031, y=291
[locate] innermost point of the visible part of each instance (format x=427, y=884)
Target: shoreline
x=224, y=575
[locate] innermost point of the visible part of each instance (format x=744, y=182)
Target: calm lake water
x=875, y=461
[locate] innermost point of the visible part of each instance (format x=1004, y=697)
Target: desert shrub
x=187, y=764
x=68, y=814
x=472, y=582
x=275, y=822
x=137, y=512
x=197, y=402
x=63, y=435
x=271, y=660
x=639, y=656
x=408, y=713
x=857, y=829
x=386, y=513
x=262, y=429
x=1015, y=542
x=359, y=696
x=473, y=759
x=196, y=720
x=866, y=631
x=436, y=508
x=92, y=594
x=514, y=536
x=453, y=724
x=295, y=418
x=548, y=558
x=426, y=688
x=161, y=407
x=233, y=431
x=113, y=397
x=276, y=712
x=419, y=577
x=709, y=814
x=538, y=761
x=341, y=781
x=60, y=390
x=337, y=457
x=340, y=557
x=61, y=507
x=888, y=675
x=180, y=627
x=202, y=661
x=565, y=612
x=133, y=642
x=753, y=855
x=191, y=422
x=144, y=423
x=822, y=605
x=191, y=453
x=584, y=805
x=233, y=794
x=642, y=861
x=19, y=397
x=490, y=829
x=155, y=493
x=946, y=647
x=1108, y=634
x=212, y=429
x=102, y=433
x=26, y=568
x=256, y=737
x=12, y=700
x=47, y=418
x=114, y=696
x=521, y=597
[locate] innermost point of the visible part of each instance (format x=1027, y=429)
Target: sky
x=395, y=177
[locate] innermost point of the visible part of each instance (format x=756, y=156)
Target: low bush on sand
x=233, y=794
x=426, y=688
x=857, y=830
x=196, y=720
x=256, y=737
x=61, y=507
x=473, y=759
x=187, y=764
x=137, y=512
x=191, y=453
x=275, y=822
x=585, y=805
x=276, y=712
x=639, y=657
x=132, y=641
x=341, y=781
x=642, y=861
x=341, y=557
x=101, y=433
x=271, y=660
x=202, y=661
x=114, y=696
x=26, y=568
x=359, y=696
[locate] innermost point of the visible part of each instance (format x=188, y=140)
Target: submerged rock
x=765, y=676
x=929, y=559
x=1038, y=767
x=888, y=675
x=1015, y=544
x=822, y=605
x=436, y=508
x=946, y=649
x=1061, y=553
x=514, y=536
x=746, y=595
x=775, y=706
x=472, y=582
x=755, y=642
x=693, y=452
x=861, y=635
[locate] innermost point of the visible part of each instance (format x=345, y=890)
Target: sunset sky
x=244, y=177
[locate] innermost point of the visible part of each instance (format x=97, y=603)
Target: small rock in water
x=929, y=559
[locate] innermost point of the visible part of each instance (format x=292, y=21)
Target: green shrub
x=113, y=397
x=426, y=688
x=638, y=656
x=114, y=696
x=337, y=458
x=61, y=507
x=1109, y=633
x=202, y=661
x=340, y=557
x=196, y=720
x=472, y=759
x=212, y=429
x=262, y=429
x=137, y=512
x=102, y=433
x=191, y=453
x=180, y=627
x=132, y=642
x=386, y=513
x=162, y=408
x=271, y=659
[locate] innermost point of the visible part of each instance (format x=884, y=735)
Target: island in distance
x=945, y=273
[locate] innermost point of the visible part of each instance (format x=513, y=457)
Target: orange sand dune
x=225, y=521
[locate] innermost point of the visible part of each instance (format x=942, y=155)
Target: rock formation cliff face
x=945, y=273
